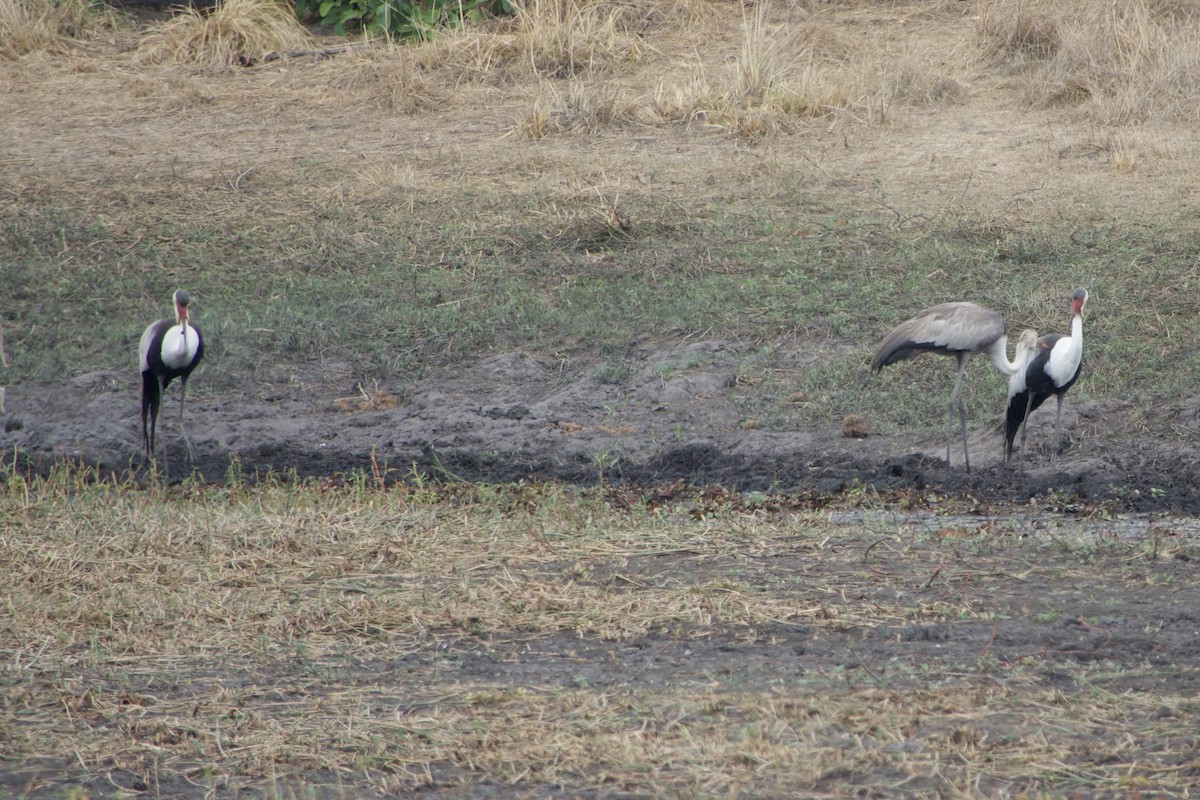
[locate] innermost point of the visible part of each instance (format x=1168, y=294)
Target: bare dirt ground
x=515, y=417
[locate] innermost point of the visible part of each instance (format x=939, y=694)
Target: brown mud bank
x=515, y=417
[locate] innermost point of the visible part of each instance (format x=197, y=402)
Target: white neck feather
x=997, y=353
x=179, y=346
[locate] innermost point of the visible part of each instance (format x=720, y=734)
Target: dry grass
x=1116, y=63
x=55, y=26
x=913, y=84
x=1018, y=32
x=783, y=67
x=581, y=108
x=391, y=77
x=558, y=39
x=298, y=636
x=780, y=68
x=564, y=39
x=235, y=32
x=793, y=68
x=782, y=71
x=418, y=568
x=374, y=399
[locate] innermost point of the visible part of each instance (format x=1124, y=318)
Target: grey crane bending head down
x=170, y=348
x=960, y=330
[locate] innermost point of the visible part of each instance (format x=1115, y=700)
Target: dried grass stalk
x=31, y=26
x=236, y=32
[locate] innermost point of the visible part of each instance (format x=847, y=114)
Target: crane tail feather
x=1019, y=409
x=1013, y=418
x=903, y=348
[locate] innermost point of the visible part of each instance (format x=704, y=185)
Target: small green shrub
x=399, y=19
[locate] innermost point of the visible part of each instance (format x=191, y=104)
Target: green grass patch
x=392, y=296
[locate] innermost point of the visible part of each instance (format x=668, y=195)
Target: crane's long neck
x=1075, y=351
x=175, y=344
x=181, y=317
x=1067, y=353
x=997, y=353
x=1073, y=345
x=183, y=334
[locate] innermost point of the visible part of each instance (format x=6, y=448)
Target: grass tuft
x=783, y=73
x=390, y=77
x=582, y=108
x=1018, y=32
x=1116, y=63
x=550, y=39
x=233, y=33
x=53, y=26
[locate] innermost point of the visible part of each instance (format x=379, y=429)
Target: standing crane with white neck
x=960, y=330
x=170, y=348
x=1051, y=372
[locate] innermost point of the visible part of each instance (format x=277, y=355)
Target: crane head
x=1078, y=300
x=182, y=299
x=1027, y=342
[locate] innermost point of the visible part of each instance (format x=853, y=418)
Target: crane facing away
x=169, y=349
x=1053, y=370
x=960, y=330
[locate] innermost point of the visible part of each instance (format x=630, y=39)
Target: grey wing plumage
x=949, y=328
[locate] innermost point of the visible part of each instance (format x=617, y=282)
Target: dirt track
x=515, y=416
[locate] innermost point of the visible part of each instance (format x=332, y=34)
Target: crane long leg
x=150, y=386
x=950, y=426
x=1054, y=442
x=182, y=396
x=1025, y=427
x=154, y=418
x=162, y=389
x=962, y=424
x=956, y=401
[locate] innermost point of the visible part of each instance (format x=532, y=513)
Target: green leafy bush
x=399, y=19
